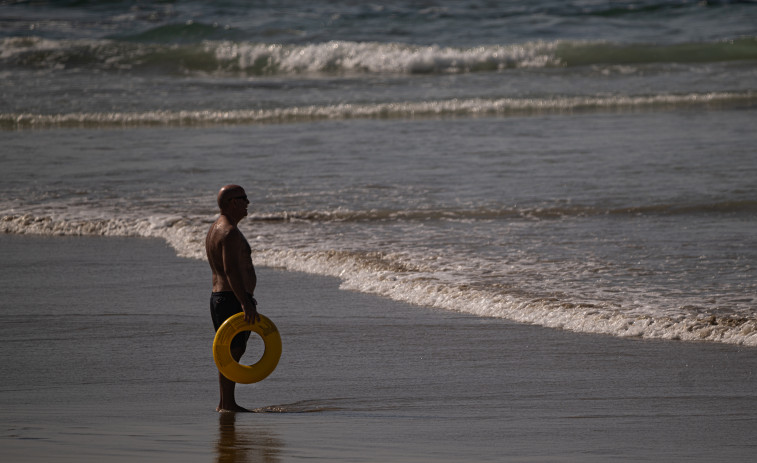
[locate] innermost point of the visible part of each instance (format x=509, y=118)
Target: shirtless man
x=234, y=279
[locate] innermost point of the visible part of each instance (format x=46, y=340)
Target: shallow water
x=644, y=228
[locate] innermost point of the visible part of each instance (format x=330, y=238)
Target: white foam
x=181, y=233
x=388, y=276
x=544, y=312
x=385, y=58
x=13, y=46
x=457, y=107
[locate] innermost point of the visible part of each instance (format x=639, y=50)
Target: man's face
x=240, y=202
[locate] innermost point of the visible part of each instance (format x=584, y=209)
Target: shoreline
x=362, y=378
x=689, y=323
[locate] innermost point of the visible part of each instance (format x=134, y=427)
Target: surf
x=242, y=58
x=458, y=107
x=420, y=281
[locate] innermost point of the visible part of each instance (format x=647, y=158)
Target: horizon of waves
x=394, y=277
x=456, y=107
x=347, y=57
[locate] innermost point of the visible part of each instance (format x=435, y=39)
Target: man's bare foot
x=233, y=409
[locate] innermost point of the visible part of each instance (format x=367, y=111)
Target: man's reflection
x=246, y=444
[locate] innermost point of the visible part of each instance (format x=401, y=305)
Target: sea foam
x=404, y=109
x=380, y=274
x=350, y=57
x=382, y=58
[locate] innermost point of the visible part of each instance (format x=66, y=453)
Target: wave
x=345, y=57
x=616, y=9
x=420, y=109
x=186, y=32
x=228, y=57
x=30, y=223
x=545, y=212
x=605, y=53
x=381, y=274
x=724, y=207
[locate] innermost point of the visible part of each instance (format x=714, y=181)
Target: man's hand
x=251, y=311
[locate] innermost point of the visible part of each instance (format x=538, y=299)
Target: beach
x=486, y=231
x=110, y=360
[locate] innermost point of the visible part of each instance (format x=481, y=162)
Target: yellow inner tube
x=232, y=369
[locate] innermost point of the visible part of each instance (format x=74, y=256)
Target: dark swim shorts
x=222, y=306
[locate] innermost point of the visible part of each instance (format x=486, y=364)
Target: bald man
x=234, y=279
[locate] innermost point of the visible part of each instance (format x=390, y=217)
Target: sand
x=105, y=347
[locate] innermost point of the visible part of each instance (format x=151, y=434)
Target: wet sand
x=105, y=347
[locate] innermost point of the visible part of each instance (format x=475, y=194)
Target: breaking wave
x=546, y=212
x=470, y=107
x=390, y=276
x=346, y=57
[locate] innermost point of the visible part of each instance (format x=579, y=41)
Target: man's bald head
x=227, y=193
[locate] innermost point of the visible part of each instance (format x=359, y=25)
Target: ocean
x=585, y=165
x=466, y=173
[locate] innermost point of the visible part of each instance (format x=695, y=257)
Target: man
x=234, y=279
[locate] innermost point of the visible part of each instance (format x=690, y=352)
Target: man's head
x=231, y=199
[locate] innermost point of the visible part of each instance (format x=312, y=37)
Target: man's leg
x=228, y=401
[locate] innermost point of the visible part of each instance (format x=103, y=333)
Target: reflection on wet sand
x=248, y=443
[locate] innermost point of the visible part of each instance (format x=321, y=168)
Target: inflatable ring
x=232, y=369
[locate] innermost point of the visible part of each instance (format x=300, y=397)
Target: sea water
x=584, y=165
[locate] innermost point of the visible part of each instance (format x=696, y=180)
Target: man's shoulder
x=222, y=230
x=225, y=230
